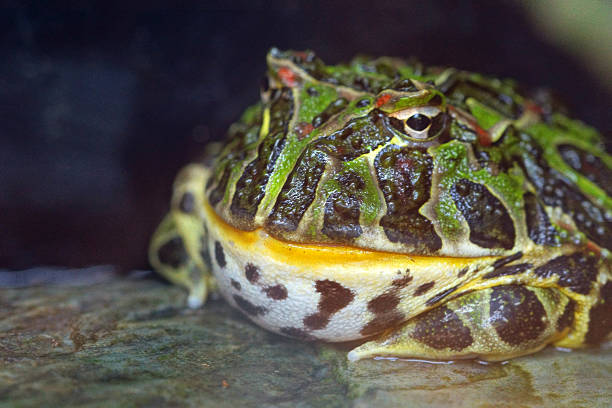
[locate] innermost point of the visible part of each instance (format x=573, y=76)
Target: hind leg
x=178, y=249
x=492, y=324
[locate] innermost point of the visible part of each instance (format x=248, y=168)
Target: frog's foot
x=178, y=249
x=492, y=324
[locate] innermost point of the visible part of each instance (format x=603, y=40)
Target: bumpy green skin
x=313, y=172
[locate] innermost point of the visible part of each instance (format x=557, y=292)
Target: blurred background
x=102, y=103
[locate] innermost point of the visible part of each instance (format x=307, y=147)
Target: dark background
x=101, y=103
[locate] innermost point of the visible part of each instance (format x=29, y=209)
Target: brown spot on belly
x=248, y=307
x=424, y=288
x=251, y=272
x=517, y=314
x=276, y=292
x=236, y=284
x=403, y=281
x=441, y=328
x=334, y=297
x=382, y=322
x=383, y=303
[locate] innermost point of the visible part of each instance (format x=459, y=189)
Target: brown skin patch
x=576, y=271
x=220, y=254
x=187, y=203
x=600, y=317
x=441, y=328
x=404, y=177
x=342, y=209
x=508, y=270
x=316, y=321
x=489, y=221
x=382, y=322
x=567, y=318
x=236, y=284
x=334, y=297
x=173, y=252
x=251, y=272
x=507, y=259
x=384, y=306
x=539, y=228
x=516, y=314
x=424, y=288
x=276, y=292
x=383, y=303
x=462, y=272
x=441, y=296
x=249, y=308
x=403, y=281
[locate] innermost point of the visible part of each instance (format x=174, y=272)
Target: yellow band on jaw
x=314, y=255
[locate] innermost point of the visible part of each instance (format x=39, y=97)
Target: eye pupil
x=418, y=122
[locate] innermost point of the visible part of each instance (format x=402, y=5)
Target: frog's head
x=389, y=155
x=409, y=106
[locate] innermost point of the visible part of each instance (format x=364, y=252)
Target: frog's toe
x=493, y=324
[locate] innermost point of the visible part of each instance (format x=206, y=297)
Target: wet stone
x=132, y=342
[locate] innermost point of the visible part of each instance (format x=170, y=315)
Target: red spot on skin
x=287, y=76
x=303, y=129
x=382, y=100
x=532, y=107
x=593, y=247
x=484, y=138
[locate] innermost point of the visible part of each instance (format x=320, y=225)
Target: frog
x=417, y=211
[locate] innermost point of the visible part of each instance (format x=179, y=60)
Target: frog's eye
x=420, y=123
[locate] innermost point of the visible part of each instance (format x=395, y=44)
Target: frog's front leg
x=492, y=324
x=178, y=249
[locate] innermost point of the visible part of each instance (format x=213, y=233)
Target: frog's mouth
x=325, y=257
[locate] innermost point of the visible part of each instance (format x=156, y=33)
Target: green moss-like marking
x=581, y=136
x=417, y=100
x=473, y=305
x=485, y=116
x=451, y=160
x=371, y=204
x=309, y=107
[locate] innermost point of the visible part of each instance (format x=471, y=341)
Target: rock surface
x=130, y=342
